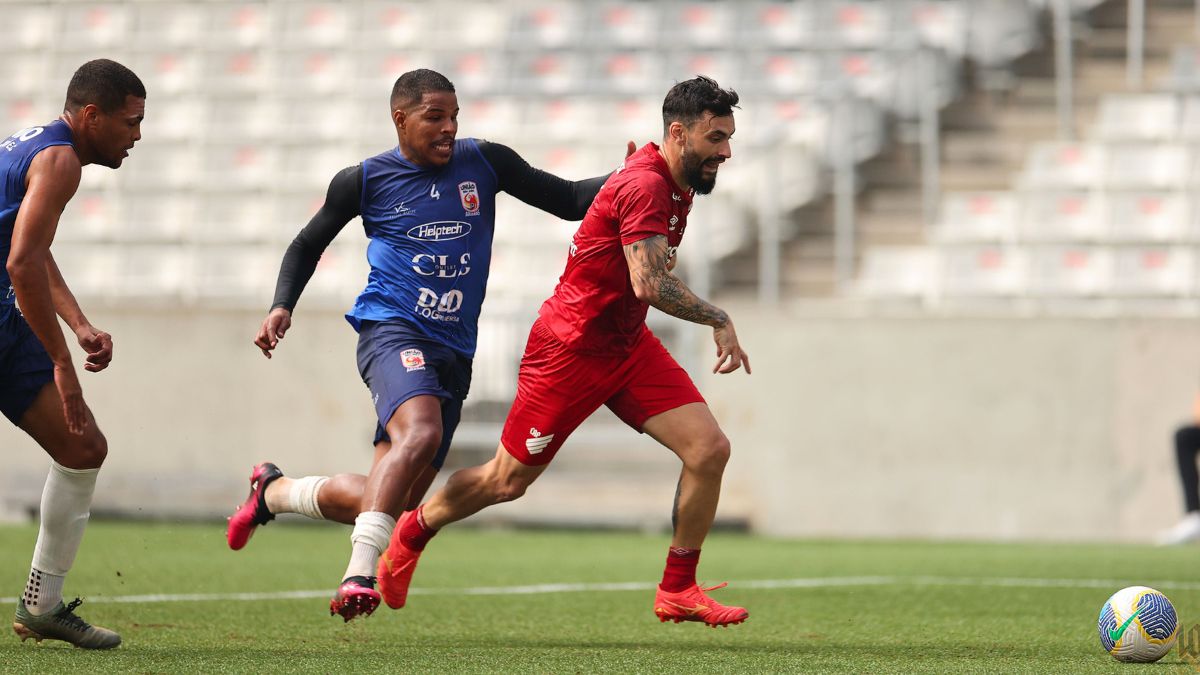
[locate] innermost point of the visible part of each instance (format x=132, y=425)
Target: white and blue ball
x=1138, y=625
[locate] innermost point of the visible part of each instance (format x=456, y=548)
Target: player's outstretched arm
x=342, y=201
x=51, y=181
x=96, y=343
x=650, y=263
x=563, y=198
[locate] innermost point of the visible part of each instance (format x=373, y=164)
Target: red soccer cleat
x=253, y=512
x=354, y=598
x=693, y=605
x=396, y=567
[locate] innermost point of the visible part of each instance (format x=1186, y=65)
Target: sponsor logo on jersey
x=536, y=442
x=469, y=193
x=442, y=230
x=413, y=359
x=428, y=265
x=439, y=307
x=403, y=210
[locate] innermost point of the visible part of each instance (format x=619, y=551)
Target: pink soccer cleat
x=253, y=512
x=355, y=597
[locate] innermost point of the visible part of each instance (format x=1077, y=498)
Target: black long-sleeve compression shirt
x=566, y=199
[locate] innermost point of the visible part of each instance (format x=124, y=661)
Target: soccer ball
x=1138, y=624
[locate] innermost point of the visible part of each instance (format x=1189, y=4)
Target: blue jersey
x=16, y=153
x=431, y=243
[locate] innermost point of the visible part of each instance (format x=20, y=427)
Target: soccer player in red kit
x=590, y=346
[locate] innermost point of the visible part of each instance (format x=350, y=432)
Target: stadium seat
x=628, y=72
x=242, y=164
x=631, y=25
x=548, y=25
x=474, y=72
x=697, y=24
x=239, y=71
x=394, y=24
x=1062, y=216
x=723, y=66
x=321, y=72
x=376, y=70
x=1146, y=166
x=316, y=24
x=978, y=217
x=981, y=271
x=897, y=272
x=233, y=215
x=169, y=25
x=1138, y=117
x=497, y=118
x=1149, y=271
x=28, y=27
x=550, y=73
x=1069, y=271
x=1058, y=165
x=152, y=273
x=237, y=276
x=89, y=268
x=778, y=25
x=1148, y=216
x=939, y=23
x=170, y=70
x=90, y=216
x=155, y=216
x=472, y=25
x=238, y=25
x=856, y=24
x=780, y=73
x=95, y=25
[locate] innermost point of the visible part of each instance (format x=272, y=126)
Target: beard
x=693, y=171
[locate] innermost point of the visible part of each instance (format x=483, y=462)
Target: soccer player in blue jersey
x=428, y=208
x=39, y=389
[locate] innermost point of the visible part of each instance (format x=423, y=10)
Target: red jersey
x=594, y=308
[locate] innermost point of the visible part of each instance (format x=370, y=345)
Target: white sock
x=42, y=592
x=302, y=498
x=66, y=505
x=372, y=529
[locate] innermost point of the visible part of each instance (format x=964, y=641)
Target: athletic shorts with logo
x=557, y=389
x=397, y=363
x=25, y=367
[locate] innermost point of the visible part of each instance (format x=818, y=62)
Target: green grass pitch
x=852, y=607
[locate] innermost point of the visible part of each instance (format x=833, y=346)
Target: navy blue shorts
x=397, y=363
x=25, y=367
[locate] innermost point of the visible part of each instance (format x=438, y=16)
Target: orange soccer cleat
x=396, y=567
x=693, y=605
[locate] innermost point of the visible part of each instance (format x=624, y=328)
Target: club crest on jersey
x=413, y=359
x=469, y=193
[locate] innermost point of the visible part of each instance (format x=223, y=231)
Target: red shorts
x=557, y=389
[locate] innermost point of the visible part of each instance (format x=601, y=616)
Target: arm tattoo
x=648, y=266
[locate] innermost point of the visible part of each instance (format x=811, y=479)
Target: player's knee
x=711, y=453
x=89, y=451
x=420, y=444
x=506, y=488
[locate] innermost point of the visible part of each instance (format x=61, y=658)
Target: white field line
x=538, y=589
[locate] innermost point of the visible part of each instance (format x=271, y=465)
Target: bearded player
x=593, y=330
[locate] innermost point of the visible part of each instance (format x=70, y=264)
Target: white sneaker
x=1185, y=531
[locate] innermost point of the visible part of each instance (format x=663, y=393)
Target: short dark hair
x=414, y=84
x=105, y=83
x=689, y=100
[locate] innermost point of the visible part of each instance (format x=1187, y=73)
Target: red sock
x=414, y=533
x=680, y=573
